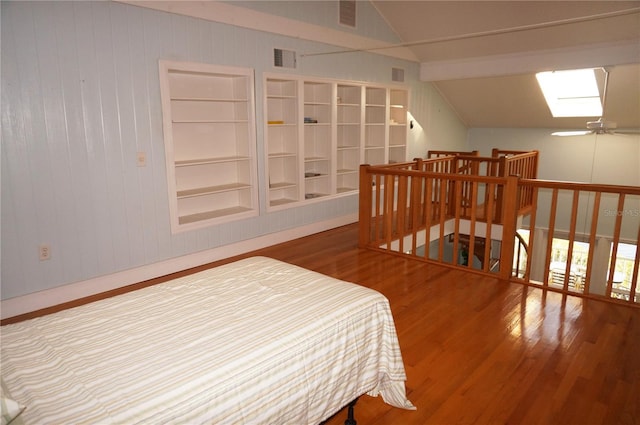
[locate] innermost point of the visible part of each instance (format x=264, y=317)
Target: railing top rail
x=439, y=159
x=434, y=153
x=396, y=165
x=587, y=187
x=478, y=158
x=384, y=170
x=521, y=155
x=498, y=152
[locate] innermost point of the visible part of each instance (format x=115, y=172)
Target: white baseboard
x=73, y=291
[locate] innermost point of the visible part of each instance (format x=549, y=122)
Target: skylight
x=572, y=93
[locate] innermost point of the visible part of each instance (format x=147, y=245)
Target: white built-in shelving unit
x=210, y=145
x=318, y=132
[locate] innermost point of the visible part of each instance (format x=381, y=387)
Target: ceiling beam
x=609, y=54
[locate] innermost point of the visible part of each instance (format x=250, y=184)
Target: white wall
x=80, y=96
x=605, y=159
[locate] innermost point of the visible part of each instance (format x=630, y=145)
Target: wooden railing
x=408, y=208
x=501, y=164
x=602, y=216
x=424, y=210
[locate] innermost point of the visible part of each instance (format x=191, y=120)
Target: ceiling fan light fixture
x=601, y=126
x=571, y=93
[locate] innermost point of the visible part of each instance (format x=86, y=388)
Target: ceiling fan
x=601, y=125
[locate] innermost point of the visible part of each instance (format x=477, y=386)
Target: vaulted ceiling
x=483, y=55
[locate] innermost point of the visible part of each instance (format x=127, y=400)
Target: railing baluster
x=457, y=200
x=489, y=208
x=616, y=240
x=572, y=237
x=388, y=209
x=415, y=205
x=592, y=242
x=379, y=225
x=428, y=182
x=552, y=225
x=532, y=226
x=472, y=224
x=401, y=211
x=636, y=269
x=442, y=217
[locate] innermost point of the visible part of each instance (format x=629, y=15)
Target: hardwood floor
x=481, y=351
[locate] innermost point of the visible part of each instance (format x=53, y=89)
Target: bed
x=257, y=341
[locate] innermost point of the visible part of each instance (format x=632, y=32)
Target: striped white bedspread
x=257, y=341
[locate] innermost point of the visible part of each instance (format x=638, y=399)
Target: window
x=571, y=93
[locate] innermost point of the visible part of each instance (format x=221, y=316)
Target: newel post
x=418, y=164
x=365, y=206
x=500, y=197
x=509, y=223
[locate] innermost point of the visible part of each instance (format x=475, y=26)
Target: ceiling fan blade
x=572, y=133
x=626, y=131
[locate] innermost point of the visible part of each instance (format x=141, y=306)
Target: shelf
x=271, y=125
x=202, y=161
x=205, y=99
x=311, y=176
x=281, y=201
x=313, y=195
x=210, y=190
x=208, y=215
x=282, y=155
x=209, y=121
x=282, y=185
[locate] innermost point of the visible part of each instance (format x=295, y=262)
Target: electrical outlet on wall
x=44, y=252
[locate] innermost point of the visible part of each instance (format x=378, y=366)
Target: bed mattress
x=255, y=341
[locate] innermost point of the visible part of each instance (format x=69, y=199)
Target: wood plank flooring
x=481, y=351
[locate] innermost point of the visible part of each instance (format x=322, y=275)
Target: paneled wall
x=80, y=99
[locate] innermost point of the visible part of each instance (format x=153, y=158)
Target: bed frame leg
x=350, y=417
